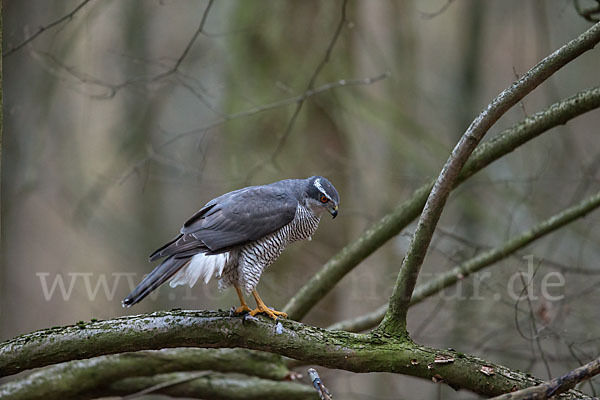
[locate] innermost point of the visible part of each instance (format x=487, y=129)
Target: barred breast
x=255, y=257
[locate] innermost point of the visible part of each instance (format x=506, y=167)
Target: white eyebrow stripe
x=318, y=186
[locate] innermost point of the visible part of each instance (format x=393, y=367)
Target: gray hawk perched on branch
x=234, y=237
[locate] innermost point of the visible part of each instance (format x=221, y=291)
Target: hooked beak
x=334, y=212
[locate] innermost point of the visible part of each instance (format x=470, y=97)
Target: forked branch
x=395, y=319
x=391, y=224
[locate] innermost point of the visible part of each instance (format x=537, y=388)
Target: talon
x=261, y=307
x=242, y=309
x=273, y=314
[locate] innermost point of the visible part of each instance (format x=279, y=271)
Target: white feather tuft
x=200, y=266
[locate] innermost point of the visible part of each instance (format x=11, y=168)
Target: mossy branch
x=332, y=349
x=391, y=224
x=478, y=262
x=80, y=378
x=215, y=386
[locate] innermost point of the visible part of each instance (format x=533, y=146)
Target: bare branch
x=442, y=9
x=395, y=320
x=352, y=352
x=175, y=68
x=535, y=337
x=257, y=110
x=44, y=28
x=288, y=130
x=555, y=386
x=478, y=263
x=195, y=36
x=113, y=88
x=391, y=224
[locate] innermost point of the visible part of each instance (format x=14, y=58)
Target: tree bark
x=332, y=349
x=209, y=386
x=555, y=386
x=76, y=379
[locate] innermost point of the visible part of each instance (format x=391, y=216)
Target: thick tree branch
x=352, y=352
x=395, y=319
x=391, y=224
x=74, y=379
x=477, y=263
x=209, y=386
x=556, y=386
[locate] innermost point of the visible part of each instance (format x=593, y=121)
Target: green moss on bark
x=210, y=329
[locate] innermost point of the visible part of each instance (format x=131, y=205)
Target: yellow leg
x=244, y=307
x=261, y=307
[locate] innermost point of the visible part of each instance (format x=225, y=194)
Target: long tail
x=154, y=279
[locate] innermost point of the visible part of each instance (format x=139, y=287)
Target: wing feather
x=243, y=216
x=232, y=220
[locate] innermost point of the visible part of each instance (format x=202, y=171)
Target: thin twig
x=534, y=329
x=555, y=386
x=283, y=139
x=99, y=190
x=162, y=385
x=177, y=64
x=42, y=29
x=313, y=78
x=257, y=110
x=113, y=89
x=318, y=385
x=195, y=36
x=442, y=9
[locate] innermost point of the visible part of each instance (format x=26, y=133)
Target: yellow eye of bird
x=324, y=199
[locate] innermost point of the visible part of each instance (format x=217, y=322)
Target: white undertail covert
x=200, y=266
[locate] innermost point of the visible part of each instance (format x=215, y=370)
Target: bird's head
x=322, y=196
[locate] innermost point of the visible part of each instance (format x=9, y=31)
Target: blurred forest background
x=108, y=148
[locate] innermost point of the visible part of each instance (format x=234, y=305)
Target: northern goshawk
x=234, y=237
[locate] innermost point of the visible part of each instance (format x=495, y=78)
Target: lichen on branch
x=212, y=329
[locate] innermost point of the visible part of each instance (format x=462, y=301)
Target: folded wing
x=231, y=221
